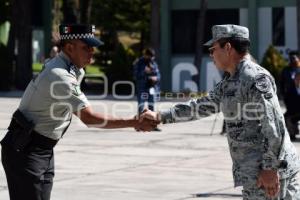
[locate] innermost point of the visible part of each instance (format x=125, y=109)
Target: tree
x=199, y=37
x=274, y=62
x=121, y=68
x=130, y=15
x=111, y=16
x=22, y=36
x=5, y=57
x=298, y=21
x=155, y=26
x=85, y=11
x=70, y=10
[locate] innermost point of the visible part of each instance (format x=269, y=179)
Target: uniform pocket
x=38, y=162
x=244, y=132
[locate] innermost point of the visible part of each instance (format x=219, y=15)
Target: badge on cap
x=79, y=32
x=67, y=30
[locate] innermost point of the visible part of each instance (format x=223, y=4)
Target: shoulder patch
x=262, y=83
x=76, y=90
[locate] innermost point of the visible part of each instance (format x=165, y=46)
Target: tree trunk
x=142, y=42
x=6, y=68
x=70, y=11
x=23, y=46
x=85, y=11
x=155, y=26
x=11, y=53
x=298, y=22
x=5, y=57
x=199, y=38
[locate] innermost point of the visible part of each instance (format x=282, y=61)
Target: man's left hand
x=269, y=181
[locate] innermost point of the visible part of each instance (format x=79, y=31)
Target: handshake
x=147, y=121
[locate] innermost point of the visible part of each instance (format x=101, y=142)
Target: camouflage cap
x=227, y=31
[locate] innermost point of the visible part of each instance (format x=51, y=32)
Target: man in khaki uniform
x=265, y=162
x=45, y=113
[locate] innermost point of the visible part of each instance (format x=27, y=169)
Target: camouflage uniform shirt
x=257, y=135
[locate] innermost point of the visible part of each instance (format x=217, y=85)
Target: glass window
x=184, y=27
x=278, y=25
x=183, y=31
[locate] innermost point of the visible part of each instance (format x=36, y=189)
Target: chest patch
x=230, y=93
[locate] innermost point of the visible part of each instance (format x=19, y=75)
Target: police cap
x=79, y=32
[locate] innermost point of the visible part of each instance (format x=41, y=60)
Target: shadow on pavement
x=225, y=195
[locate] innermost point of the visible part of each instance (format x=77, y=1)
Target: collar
x=247, y=57
x=65, y=58
x=71, y=66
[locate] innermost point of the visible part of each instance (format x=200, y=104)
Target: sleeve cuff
x=166, y=116
x=269, y=164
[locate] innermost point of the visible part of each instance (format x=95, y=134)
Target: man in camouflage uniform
x=265, y=162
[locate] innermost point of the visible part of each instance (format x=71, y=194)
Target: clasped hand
x=147, y=121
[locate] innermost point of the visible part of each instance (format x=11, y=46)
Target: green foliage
x=37, y=67
x=127, y=15
x=90, y=69
x=274, y=62
x=121, y=67
x=112, y=16
x=93, y=69
x=4, y=33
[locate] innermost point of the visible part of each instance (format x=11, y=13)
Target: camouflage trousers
x=289, y=190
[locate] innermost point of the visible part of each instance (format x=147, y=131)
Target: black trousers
x=29, y=173
x=291, y=120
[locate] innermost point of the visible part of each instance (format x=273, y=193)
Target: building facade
x=269, y=22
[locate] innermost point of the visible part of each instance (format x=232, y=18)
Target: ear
x=228, y=48
x=69, y=47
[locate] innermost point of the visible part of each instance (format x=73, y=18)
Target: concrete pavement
x=183, y=162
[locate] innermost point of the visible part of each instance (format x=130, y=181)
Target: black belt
x=36, y=140
x=21, y=134
x=42, y=141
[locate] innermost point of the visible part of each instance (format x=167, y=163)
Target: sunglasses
x=211, y=50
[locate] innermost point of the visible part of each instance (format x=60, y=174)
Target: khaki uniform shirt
x=51, y=97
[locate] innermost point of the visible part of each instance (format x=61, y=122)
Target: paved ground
x=183, y=162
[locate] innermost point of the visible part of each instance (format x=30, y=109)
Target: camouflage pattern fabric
x=289, y=190
x=227, y=31
x=257, y=134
